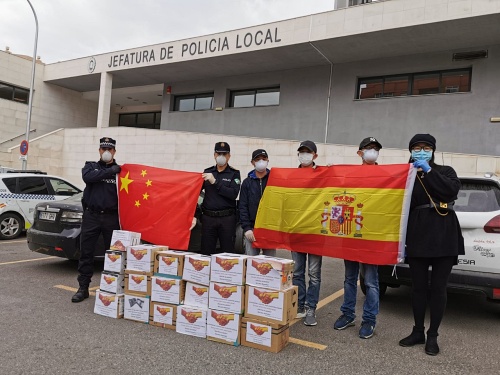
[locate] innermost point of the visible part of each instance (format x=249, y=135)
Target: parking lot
x=43, y=332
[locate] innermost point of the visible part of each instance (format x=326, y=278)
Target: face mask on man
x=221, y=160
x=421, y=155
x=261, y=165
x=370, y=156
x=305, y=158
x=106, y=156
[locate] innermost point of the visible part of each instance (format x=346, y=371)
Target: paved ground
x=42, y=332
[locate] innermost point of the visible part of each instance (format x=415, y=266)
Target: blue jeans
x=250, y=250
x=371, y=305
x=311, y=297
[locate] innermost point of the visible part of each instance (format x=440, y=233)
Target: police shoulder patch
x=237, y=180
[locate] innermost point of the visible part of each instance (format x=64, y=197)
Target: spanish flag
x=353, y=212
x=158, y=203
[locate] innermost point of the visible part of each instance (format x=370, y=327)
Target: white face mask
x=370, y=156
x=106, y=156
x=221, y=160
x=261, y=165
x=305, y=158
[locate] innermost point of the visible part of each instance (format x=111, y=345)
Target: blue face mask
x=421, y=155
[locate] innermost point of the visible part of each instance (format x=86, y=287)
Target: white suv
x=20, y=191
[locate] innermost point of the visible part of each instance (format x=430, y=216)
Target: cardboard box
x=123, y=238
x=228, y=268
x=112, y=282
x=223, y=327
x=137, y=283
x=162, y=315
x=115, y=261
x=264, y=336
x=225, y=297
x=136, y=308
x=170, y=262
x=167, y=290
x=191, y=321
x=269, y=272
x=196, y=295
x=108, y=304
x=197, y=269
x=272, y=306
x=141, y=257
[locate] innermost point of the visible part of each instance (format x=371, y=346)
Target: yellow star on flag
x=149, y=183
x=143, y=173
x=137, y=203
x=145, y=196
x=125, y=182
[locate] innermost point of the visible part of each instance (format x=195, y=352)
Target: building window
x=196, y=102
x=14, y=93
x=439, y=82
x=255, y=97
x=147, y=120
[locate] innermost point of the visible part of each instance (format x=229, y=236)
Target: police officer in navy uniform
x=100, y=211
x=222, y=186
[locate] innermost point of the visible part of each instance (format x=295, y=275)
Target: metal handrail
x=17, y=136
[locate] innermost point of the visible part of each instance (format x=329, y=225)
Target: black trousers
x=218, y=228
x=93, y=224
x=435, y=294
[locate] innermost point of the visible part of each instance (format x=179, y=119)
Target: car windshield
x=478, y=196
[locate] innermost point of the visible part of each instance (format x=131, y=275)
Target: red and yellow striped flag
x=353, y=212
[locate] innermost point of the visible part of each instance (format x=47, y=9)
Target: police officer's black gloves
x=115, y=169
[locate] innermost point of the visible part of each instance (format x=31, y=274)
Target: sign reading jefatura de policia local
x=199, y=48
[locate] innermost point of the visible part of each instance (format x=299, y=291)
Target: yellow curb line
x=17, y=241
x=307, y=343
x=27, y=260
x=70, y=289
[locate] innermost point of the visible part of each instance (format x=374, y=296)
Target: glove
x=115, y=169
x=208, y=177
x=422, y=164
x=249, y=235
x=193, y=224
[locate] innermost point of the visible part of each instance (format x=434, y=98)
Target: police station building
x=388, y=69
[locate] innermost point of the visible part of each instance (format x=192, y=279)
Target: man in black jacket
x=100, y=211
x=251, y=193
x=222, y=186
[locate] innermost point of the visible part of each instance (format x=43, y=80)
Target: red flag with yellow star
x=158, y=203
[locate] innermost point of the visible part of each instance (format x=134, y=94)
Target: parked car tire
x=11, y=226
x=239, y=245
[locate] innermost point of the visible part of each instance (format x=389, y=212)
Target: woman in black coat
x=433, y=238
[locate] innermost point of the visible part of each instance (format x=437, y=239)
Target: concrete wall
x=300, y=115
x=65, y=151
x=54, y=107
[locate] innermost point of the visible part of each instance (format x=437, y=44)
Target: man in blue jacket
x=251, y=192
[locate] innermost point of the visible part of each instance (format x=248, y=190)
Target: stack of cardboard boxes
x=270, y=303
x=109, y=296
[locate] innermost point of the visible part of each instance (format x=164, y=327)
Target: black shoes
x=431, y=346
x=80, y=295
x=417, y=337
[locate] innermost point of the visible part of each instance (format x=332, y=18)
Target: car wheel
x=239, y=246
x=11, y=226
x=382, y=288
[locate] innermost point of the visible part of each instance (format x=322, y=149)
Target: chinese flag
x=353, y=212
x=158, y=203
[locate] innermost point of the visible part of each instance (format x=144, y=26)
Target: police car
x=478, y=271
x=21, y=191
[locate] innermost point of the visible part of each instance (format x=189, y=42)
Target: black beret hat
x=107, y=142
x=423, y=138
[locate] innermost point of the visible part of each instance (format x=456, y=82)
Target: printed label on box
x=228, y=268
x=226, y=297
x=123, y=238
x=168, y=265
x=223, y=325
x=112, y=283
x=191, y=321
x=115, y=261
x=167, y=290
x=196, y=295
x=259, y=334
x=140, y=258
x=163, y=314
x=269, y=272
x=136, y=308
x=197, y=269
x=266, y=303
x=107, y=304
